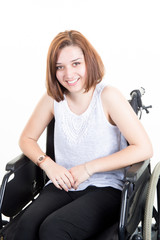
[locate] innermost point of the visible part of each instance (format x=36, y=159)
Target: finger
x=70, y=177
x=67, y=181
x=76, y=184
x=62, y=184
x=56, y=183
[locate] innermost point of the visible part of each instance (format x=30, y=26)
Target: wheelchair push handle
x=136, y=101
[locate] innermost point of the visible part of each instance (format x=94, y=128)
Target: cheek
x=83, y=72
x=58, y=76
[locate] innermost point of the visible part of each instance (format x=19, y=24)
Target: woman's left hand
x=79, y=174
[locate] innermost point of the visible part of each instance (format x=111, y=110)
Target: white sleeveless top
x=82, y=138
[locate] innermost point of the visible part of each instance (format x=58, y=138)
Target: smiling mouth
x=73, y=82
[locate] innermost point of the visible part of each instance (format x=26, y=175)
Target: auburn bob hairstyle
x=94, y=64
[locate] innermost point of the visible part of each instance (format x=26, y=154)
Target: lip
x=72, y=82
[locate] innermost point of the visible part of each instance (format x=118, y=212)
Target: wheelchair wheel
x=150, y=229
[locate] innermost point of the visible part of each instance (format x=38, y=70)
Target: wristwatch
x=41, y=159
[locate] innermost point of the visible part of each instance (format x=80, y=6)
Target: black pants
x=61, y=215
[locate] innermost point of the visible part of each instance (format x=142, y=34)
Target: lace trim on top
x=75, y=127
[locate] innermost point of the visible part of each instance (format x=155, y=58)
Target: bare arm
x=39, y=120
x=118, y=109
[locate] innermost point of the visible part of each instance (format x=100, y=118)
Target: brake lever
x=146, y=108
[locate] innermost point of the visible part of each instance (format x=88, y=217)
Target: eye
x=76, y=64
x=59, y=67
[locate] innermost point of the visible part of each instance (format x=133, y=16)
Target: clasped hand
x=63, y=178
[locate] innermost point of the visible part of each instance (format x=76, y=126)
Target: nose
x=69, y=73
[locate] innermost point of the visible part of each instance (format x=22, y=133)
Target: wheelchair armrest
x=22, y=182
x=133, y=197
x=134, y=172
x=17, y=162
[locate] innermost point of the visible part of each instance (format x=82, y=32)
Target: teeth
x=70, y=82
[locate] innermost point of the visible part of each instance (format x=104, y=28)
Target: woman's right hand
x=59, y=175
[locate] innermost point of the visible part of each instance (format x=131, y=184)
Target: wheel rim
x=150, y=203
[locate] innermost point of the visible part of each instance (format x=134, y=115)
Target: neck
x=80, y=96
x=79, y=102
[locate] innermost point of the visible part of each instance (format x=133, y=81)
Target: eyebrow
x=76, y=59
x=71, y=61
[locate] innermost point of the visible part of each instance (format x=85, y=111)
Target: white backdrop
x=126, y=34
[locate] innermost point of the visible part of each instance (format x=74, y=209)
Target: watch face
x=41, y=158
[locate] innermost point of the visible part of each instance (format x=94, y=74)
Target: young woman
x=92, y=124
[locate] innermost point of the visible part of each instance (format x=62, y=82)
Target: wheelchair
x=24, y=180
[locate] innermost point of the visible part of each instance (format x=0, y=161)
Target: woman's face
x=71, y=69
